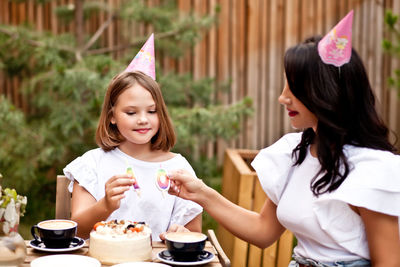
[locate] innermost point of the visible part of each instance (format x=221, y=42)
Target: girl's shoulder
x=95, y=152
x=90, y=158
x=84, y=169
x=93, y=155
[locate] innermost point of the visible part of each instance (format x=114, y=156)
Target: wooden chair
x=63, y=211
x=241, y=186
x=224, y=260
x=63, y=198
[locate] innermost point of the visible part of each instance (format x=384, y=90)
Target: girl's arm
x=192, y=226
x=383, y=238
x=86, y=211
x=195, y=224
x=260, y=229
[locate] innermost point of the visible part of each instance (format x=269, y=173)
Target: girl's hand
x=185, y=185
x=115, y=188
x=174, y=228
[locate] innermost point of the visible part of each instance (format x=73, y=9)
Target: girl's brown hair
x=108, y=136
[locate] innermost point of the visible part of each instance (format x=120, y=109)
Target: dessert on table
x=121, y=241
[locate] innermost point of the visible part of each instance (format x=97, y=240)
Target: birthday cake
x=116, y=242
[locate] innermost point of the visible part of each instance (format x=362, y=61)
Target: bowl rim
x=75, y=224
x=204, y=237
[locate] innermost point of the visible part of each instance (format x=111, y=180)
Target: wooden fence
x=247, y=47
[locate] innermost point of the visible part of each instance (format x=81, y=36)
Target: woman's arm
x=260, y=229
x=383, y=238
x=86, y=211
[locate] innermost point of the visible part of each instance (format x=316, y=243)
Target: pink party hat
x=335, y=47
x=144, y=60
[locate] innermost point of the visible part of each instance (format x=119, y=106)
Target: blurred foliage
x=65, y=85
x=391, y=45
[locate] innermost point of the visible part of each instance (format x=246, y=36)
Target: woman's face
x=300, y=116
x=136, y=116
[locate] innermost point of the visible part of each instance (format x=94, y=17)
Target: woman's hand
x=174, y=228
x=115, y=188
x=185, y=185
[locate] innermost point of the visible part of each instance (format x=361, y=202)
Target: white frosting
x=112, y=244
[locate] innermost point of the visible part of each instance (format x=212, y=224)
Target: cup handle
x=33, y=232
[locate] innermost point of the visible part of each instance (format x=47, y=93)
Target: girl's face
x=136, y=116
x=300, y=116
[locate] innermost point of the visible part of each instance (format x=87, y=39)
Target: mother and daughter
x=335, y=184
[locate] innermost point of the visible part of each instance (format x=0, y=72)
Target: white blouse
x=326, y=227
x=159, y=210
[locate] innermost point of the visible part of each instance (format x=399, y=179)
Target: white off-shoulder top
x=326, y=227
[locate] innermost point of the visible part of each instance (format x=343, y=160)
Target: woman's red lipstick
x=292, y=113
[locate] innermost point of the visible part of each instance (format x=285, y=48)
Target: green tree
x=64, y=78
x=391, y=45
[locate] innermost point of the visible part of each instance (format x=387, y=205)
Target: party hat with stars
x=335, y=47
x=144, y=60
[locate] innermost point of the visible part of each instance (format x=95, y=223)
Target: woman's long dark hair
x=342, y=100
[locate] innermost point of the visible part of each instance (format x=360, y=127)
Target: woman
x=335, y=185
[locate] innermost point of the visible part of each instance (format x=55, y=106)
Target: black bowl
x=185, y=246
x=55, y=233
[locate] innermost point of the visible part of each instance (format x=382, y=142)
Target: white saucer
x=76, y=244
x=165, y=257
x=65, y=260
x=140, y=264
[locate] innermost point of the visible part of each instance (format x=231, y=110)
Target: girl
x=336, y=185
x=134, y=130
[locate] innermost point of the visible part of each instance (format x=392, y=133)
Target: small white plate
x=165, y=257
x=76, y=243
x=140, y=264
x=65, y=260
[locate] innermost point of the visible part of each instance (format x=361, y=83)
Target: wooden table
x=157, y=247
